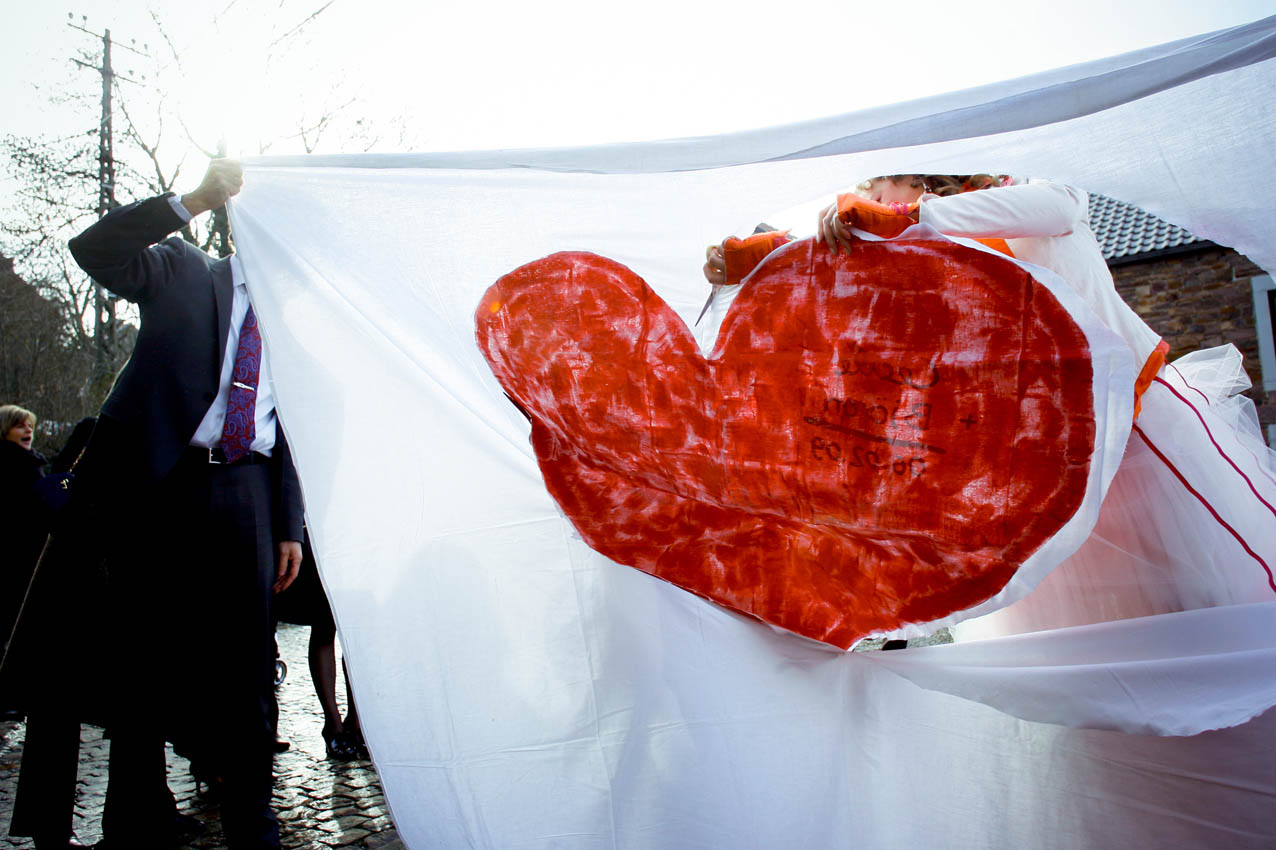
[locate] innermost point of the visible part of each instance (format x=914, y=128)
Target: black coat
x=22, y=528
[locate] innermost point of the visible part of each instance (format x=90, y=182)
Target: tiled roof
x=1125, y=231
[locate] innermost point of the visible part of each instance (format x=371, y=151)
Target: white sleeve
x=175, y=202
x=1011, y=212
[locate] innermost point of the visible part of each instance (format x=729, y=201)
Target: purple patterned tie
x=241, y=406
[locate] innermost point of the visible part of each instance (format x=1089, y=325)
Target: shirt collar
x=236, y=271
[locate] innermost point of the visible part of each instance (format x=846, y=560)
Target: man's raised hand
x=223, y=180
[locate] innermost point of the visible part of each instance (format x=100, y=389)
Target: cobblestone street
x=321, y=803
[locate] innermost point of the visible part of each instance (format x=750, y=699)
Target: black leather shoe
x=208, y=783
x=282, y=745
x=186, y=827
x=178, y=840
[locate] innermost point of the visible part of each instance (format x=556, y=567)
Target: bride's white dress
x=1188, y=522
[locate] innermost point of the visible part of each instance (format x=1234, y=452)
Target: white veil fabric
x=519, y=690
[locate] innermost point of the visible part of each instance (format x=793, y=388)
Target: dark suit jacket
x=58, y=664
x=170, y=380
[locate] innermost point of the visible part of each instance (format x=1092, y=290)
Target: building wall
x=1197, y=300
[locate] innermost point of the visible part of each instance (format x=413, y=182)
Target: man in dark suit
x=188, y=486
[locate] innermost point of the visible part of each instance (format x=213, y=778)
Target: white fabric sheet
x=518, y=690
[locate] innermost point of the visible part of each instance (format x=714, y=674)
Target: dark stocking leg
x=323, y=672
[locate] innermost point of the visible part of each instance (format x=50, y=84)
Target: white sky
x=527, y=74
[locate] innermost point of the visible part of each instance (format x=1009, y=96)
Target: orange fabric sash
x=1153, y=365
x=997, y=245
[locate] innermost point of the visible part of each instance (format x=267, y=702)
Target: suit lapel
x=223, y=289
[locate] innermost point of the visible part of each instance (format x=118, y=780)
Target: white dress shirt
x=209, y=432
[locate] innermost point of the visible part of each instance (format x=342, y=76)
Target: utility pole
x=104, y=304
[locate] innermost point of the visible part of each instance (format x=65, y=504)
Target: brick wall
x=1200, y=299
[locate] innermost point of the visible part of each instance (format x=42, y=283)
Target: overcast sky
x=485, y=75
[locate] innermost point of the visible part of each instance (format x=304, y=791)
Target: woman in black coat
x=23, y=523
x=34, y=676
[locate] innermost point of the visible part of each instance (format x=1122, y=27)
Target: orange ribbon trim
x=1150, y=369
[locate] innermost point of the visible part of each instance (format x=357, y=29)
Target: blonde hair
x=11, y=416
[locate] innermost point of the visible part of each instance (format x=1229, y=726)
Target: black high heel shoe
x=338, y=746
x=354, y=738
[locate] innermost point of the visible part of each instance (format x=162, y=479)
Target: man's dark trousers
x=207, y=574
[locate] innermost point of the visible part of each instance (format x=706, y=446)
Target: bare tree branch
x=316, y=13
x=163, y=31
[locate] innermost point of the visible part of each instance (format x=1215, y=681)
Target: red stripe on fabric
x=1209, y=434
x=1249, y=451
x=1189, y=386
x=1271, y=581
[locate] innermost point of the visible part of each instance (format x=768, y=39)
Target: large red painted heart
x=877, y=439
